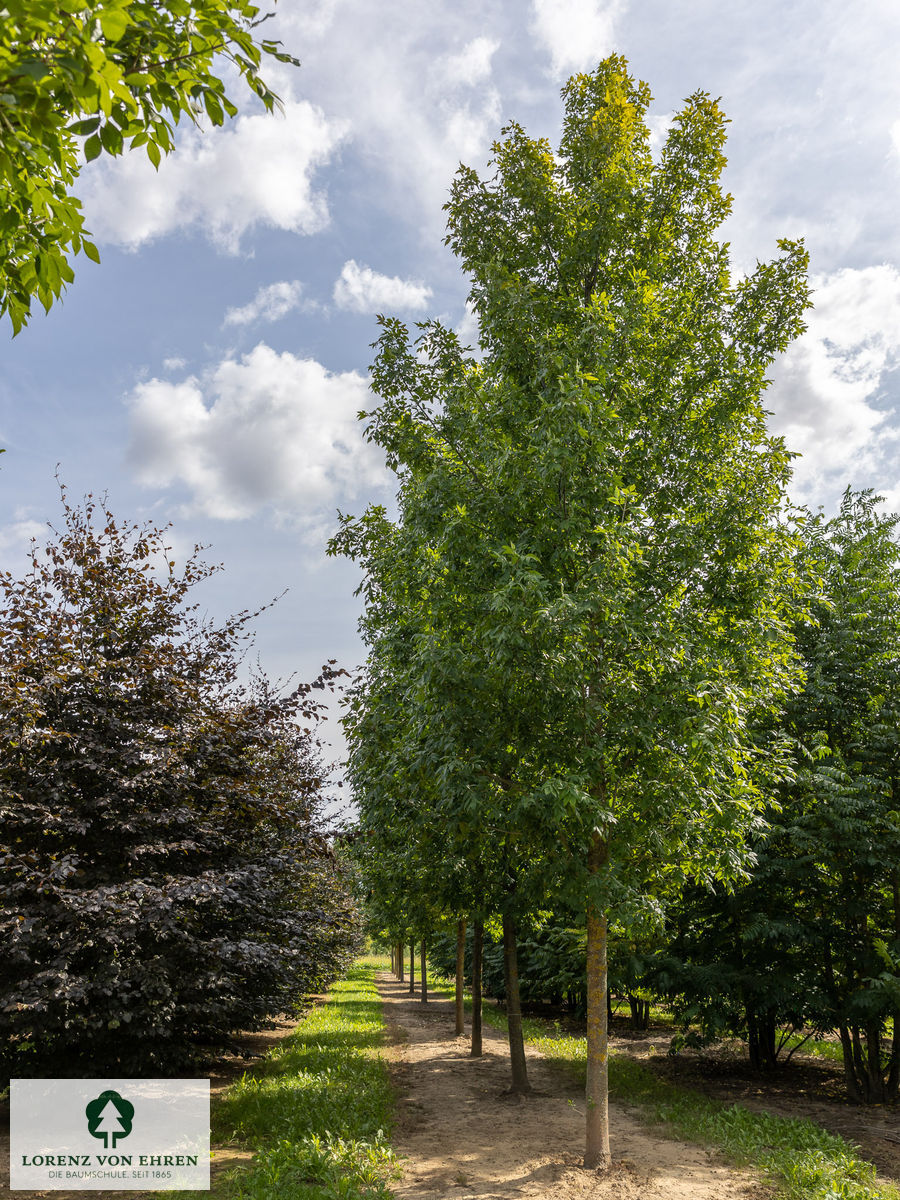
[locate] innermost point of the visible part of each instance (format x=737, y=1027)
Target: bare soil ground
x=461, y=1137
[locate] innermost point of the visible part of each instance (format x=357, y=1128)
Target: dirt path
x=462, y=1138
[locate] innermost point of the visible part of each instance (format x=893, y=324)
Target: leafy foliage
x=586, y=604
x=165, y=873
x=812, y=941
x=119, y=74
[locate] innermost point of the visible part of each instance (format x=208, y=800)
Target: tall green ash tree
x=601, y=499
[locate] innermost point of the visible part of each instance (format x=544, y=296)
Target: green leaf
x=93, y=147
x=84, y=127
x=114, y=22
x=90, y=250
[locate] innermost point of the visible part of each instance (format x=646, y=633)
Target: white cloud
x=16, y=538
x=826, y=391
x=469, y=330
x=472, y=65
x=174, y=364
x=362, y=290
x=576, y=33
x=224, y=181
x=659, y=125
x=270, y=303
x=414, y=84
x=270, y=431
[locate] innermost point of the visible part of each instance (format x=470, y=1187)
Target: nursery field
x=372, y=1095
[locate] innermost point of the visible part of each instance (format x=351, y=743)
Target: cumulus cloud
x=827, y=388
x=271, y=431
x=224, y=181
x=270, y=303
x=360, y=289
x=16, y=538
x=575, y=33
x=472, y=65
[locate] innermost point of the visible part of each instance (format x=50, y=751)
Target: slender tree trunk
x=460, y=972
x=875, y=1089
x=513, y=1007
x=424, y=973
x=596, y=1149
x=853, y=1090
x=401, y=963
x=477, y=946
x=412, y=968
x=893, y=1080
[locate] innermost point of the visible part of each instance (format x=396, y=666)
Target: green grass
x=318, y=1111
x=804, y=1161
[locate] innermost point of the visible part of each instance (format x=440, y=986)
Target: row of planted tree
x=613, y=675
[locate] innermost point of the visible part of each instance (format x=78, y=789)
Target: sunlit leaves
x=120, y=73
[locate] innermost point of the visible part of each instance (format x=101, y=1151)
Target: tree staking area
x=583, y=614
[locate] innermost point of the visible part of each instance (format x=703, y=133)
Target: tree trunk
x=640, y=1011
x=513, y=1007
x=596, y=1150
x=401, y=963
x=876, y=1094
x=850, y=1079
x=424, y=973
x=412, y=968
x=477, y=944
x=460, y=971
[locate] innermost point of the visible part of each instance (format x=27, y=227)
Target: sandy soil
x=461, y=1137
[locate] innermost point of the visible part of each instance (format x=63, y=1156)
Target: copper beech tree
x=165, y=876
x=589, y=566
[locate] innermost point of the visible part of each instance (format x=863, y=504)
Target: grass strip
x=803, y=1160
x=318, y=1110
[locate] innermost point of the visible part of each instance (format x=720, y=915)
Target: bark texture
x=596, y=1146
x=477, y=948
x=460, y=972
x=513, y=1007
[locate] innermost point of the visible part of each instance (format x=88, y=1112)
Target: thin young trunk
x=893, y=1080
x=424, y=973
x=412, y=968
x=849, y=1070
x=477, y=943
x=873, y=1063
x=513, y=1007
x=596, y=1148
x=460, y=971
x=401, y=961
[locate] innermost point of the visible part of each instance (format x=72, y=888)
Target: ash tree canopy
x=165, y=874
x=119, y=73
x=590, y=561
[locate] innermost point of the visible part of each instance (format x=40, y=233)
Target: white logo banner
x=109, y=1134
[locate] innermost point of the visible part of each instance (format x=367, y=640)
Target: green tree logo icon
x=109, y=1116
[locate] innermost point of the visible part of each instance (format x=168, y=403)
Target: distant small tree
x=165, y=877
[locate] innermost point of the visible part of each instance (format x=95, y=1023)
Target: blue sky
x=209, y=371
